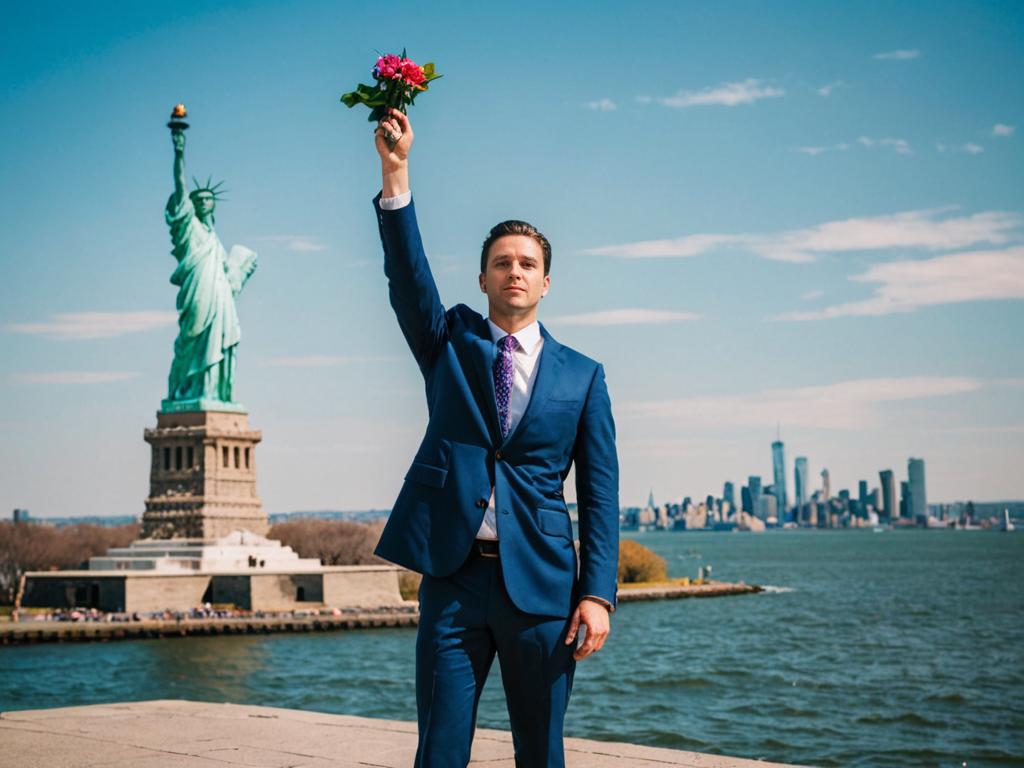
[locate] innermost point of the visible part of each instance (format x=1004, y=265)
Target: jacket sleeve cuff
x=394, y=203
x=601, y=600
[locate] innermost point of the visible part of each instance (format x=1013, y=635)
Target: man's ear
x=483, y=289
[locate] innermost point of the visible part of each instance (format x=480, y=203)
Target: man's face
x=514, y=280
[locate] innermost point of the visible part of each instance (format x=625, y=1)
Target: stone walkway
x=173, y=734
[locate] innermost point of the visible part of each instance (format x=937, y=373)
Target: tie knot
x=508, y=343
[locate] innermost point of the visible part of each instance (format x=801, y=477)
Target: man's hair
x=516, y=227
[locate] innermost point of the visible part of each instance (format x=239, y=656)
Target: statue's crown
x=209, y=188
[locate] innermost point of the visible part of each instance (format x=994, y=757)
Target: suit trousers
x=466, y=618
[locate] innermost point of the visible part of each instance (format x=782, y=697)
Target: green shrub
x=409, y=585
x=638, y=563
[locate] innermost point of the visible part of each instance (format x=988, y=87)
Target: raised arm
x=394, y=157
x=180, y=187
x=411, y=286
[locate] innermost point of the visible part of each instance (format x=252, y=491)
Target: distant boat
x=1007, y=524
x=878, y=529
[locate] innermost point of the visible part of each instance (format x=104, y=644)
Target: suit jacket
x=462, y=455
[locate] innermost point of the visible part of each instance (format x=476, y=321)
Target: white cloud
x=602, y=105
x=318, y=361
x=899, y=55
x=295, y=243
x=854, y=404
x=903, y=286
x=970, y=148
x=814, y=151
x=902, y=146
x=808, y=295
x=727, y=95
x=1001, y=129
x=624, y=317
x=912, y=229
x=74, y=377
x=95, y=325
x=826, y=90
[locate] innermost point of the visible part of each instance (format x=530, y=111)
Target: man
x=481, y=513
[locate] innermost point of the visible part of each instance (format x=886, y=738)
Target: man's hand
x=394, y=161
x=595, y=617
x=398, y=129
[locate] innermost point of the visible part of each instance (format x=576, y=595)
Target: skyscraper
x=918, y=498
x=888, y=481
x=826, y=490
x=905, y=499
x=800, y=486
x=779, y=478
x=862, y=494
x=754, y=484
x=729, y=494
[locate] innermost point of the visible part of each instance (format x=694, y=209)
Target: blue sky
x=802, y=214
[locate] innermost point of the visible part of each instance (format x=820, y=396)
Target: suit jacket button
x=481, y=503
x=499, y=455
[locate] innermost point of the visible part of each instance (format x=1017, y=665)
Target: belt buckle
x=484, y=545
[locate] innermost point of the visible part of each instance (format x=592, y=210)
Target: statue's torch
x=177, y=121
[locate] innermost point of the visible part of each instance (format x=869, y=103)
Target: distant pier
x=672, y=591
x=23, y=632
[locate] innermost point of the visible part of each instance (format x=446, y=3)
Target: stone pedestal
x=202, y=478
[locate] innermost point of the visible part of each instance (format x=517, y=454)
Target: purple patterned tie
x=503, y=372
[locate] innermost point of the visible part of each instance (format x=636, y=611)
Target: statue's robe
x=209, y=279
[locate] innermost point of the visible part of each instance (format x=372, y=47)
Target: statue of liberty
x=208, y=280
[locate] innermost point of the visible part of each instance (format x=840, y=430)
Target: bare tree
x=39, y=547
x=334, y=542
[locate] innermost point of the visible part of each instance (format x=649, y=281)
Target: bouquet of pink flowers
x=397, y=82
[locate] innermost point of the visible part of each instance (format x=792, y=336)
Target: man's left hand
x=595, y=617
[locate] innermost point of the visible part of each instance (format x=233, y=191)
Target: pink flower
x=388, y=67
x=412, y=73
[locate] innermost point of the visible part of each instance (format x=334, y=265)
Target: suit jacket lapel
x=482, y=351
x=544, y=384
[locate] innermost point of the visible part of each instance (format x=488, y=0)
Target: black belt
x=486, y=547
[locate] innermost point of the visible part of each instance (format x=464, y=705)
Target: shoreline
x=28, y=632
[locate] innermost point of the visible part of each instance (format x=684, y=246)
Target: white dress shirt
x=524, y=360
x=524, y=357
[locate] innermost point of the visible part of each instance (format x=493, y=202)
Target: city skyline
x=758, y=216
x=911, y=503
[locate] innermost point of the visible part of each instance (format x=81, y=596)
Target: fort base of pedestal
x=203, y=538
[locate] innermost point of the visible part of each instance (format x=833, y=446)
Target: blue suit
x=516, y=605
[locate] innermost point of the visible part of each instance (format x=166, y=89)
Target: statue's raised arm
x=180, y=186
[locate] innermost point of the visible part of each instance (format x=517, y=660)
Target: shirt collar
x=527, y=337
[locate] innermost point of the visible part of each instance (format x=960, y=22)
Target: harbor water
x=900, y=648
